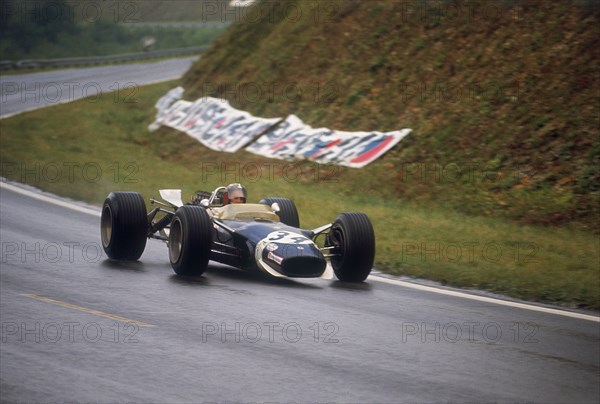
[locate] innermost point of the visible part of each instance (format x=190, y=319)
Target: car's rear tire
x=190, y=241
x=124, y=226
x=288, y=213
x=353, y=239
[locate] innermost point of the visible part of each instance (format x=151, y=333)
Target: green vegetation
x=502, y=96
x=104, y=39
x=106, y=147
x=59, y=30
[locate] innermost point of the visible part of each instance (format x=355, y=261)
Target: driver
x=236, y=193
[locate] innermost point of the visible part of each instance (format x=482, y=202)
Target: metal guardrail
x=218, y=25
x=97, y=60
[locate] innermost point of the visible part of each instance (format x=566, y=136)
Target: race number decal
x=286, y=237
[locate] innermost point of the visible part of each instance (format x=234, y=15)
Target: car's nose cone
x=295, y=260
x=307, y=266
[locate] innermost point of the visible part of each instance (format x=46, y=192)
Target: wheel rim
x=106, y=224
x=336, y=239
x=175, y=240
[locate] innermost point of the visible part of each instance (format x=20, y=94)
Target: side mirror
x=204, y=202
x=275, y=207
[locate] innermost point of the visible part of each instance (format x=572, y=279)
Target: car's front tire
x=190, y=241
x=353, y=241
x=288, y=214
x=124, y=226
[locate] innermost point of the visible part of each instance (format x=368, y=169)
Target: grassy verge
x=84, y=150
x=510, y=98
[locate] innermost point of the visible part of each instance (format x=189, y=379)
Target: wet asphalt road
x=79, y=328
x=26, y=92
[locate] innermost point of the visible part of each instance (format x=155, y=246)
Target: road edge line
x=454, y=293
x=48, y=199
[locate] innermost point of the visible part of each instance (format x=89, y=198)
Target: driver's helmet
x=235, y=193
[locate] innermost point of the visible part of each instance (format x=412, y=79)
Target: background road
x=26, y=92
x=79, y=328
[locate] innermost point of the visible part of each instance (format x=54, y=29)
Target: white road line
x=485, y=299
x=48, y=199
x=375, y=278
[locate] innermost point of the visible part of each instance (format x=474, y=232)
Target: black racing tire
x=190, y=240
x=353, y=237
x=124, y=226
x=288, y=213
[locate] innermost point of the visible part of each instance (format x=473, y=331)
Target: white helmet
x=236, y=191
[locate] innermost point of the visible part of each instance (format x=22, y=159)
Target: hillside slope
x=503, y=96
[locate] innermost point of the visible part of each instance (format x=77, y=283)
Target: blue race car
x=264, y=236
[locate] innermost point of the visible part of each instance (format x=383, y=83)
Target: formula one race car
x=264, y=236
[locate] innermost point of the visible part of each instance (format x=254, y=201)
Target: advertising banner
x=214, y=123
x=219, y=126
x=293, y=139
